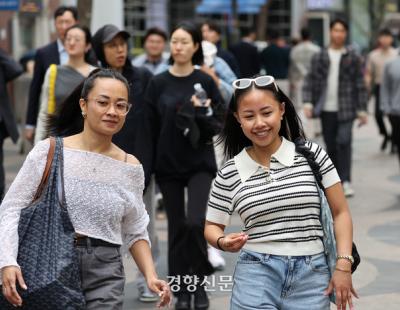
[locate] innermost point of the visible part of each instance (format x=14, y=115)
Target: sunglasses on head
x=261, y=81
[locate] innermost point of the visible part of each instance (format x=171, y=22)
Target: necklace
x=269, y=179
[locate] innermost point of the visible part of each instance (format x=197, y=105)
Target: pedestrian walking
x=269, y=181
x=300, y=64
x=390, y=96
x=212, y=32
x=246, y=54
x=179, y=128
x=52, y=53
x=335, y=91
x=103, y=188
x=155, y=59
x=9, y=70
x=61, y=80
x=375, y=64
x=111, y=47
x=275, y=57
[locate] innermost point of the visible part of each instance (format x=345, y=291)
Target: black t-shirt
x=178, y=136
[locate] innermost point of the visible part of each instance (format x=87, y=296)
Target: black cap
x=111, y=31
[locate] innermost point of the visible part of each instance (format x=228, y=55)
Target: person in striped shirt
x=268, y=181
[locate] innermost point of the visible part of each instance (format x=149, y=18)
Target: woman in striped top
x=269, y=182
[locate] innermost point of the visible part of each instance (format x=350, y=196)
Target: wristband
x=218, y=245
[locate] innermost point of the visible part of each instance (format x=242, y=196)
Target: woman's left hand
x=196, y=102
x=161, y=288
x=342, y=283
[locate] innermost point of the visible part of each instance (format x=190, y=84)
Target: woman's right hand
x=233, y=242
x=10, y=276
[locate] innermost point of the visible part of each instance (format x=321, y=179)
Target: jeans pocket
x=107, y=254
x=318, y=263
x=248, y=258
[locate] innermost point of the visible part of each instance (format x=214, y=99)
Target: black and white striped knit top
x=279, y=206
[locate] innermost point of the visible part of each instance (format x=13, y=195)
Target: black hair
x=248, y=31
x=305, y=34
x=68, y=118
x=385, y=32
x=195, y=33
x=157, y=31
x=62, y=9
x=232, y=136
x=88, y=38
x=339, y=21
x=273, y=34
x=213, y=26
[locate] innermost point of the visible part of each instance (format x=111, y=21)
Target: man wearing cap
x=111, y=47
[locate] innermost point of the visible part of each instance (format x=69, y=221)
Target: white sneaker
x=145, y=295
x=215, y=258
x=348, y=190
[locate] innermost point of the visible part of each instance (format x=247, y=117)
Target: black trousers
x=187, y=247
x=395, y=122
x=338, y=139
x=3, y=136
x=378, y=112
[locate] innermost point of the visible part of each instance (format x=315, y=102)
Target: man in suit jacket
x=9, y=70
x=53, y=53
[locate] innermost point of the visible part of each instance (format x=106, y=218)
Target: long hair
x=232, y=136
x=195, y=33
x=68, y=118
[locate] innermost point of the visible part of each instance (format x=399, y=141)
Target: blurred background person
x=181, y=128
x=275, y=59
x=52, y=53
x=154, y=58
x=246, y=54
x=334, y=90
x=111, y=47
x=9, y=70
x=212, y=32
x=377, y=59
x=390, y=98
x=300, y=63
x=61, y=80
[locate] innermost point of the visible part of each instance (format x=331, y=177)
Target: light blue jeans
x=263, y=281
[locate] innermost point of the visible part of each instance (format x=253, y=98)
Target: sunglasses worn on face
x=261, y=81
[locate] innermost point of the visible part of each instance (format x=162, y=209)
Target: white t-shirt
x=331, y=103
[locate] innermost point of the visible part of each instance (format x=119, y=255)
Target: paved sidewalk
x=376, y=215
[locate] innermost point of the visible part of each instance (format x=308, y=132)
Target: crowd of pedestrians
x=134, y=129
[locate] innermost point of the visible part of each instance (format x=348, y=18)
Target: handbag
x=46, y=252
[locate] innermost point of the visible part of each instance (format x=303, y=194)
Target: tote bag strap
x=46, y=173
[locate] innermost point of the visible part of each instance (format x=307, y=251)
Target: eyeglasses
x=261, y=81
x=121, y=107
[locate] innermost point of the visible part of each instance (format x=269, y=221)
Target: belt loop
x=89, y=245
x=308, y=259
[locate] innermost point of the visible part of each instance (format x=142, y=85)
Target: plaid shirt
x=353, y=96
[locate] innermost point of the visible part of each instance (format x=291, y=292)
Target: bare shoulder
x=132, y=160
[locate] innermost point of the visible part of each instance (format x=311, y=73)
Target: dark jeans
x=379, y=113
x=395, y=122
x=338, y=138
x=187, y=247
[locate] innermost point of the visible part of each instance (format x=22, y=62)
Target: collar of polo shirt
x=246, y=166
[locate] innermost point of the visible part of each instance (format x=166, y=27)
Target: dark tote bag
x=46, y=252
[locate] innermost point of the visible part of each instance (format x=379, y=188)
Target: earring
x=83, y=114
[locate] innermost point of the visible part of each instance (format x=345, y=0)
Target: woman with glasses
x=269, y=182
x=61, y=80
x=111, y=47
x=103, y=190
x=180, y=129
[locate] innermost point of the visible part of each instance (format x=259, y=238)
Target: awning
x=225, y=6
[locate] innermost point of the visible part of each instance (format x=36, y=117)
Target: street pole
x=234, y=35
